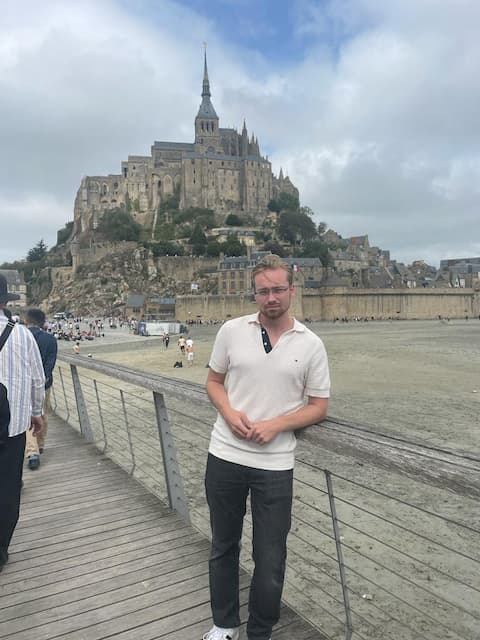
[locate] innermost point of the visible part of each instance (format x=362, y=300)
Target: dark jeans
x=227, y=485
x=11, y=467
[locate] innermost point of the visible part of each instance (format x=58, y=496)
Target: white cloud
x=377, y=124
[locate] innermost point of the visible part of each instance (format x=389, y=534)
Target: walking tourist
x=278, y=381
x=181, y=344
x=35, y=321
x=21, y=372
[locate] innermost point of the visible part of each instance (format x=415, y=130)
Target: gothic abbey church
x=222, y=170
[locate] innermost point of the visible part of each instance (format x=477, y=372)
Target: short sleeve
x=317, y=383
x=219, y=359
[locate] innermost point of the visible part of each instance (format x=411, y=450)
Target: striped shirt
x=21, y=371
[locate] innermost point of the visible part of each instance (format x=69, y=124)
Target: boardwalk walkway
x=96, y=556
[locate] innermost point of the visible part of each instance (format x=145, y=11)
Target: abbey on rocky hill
x=222, y=170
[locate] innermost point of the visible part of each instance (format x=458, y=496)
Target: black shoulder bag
x=4, y=404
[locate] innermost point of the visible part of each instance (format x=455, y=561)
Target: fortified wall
x=379, y=304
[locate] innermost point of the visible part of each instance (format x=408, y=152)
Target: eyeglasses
x=276, y=291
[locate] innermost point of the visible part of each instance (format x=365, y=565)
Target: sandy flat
x=417, y=378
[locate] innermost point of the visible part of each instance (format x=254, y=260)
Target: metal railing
x=385, y=538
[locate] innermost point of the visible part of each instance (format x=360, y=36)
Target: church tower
x=207, y=135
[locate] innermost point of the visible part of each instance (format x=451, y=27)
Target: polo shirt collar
x=254, y=319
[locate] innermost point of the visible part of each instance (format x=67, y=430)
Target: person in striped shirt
x=21, y=371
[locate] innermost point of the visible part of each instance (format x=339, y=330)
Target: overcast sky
x=371, y=106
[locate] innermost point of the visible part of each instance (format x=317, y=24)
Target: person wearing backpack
x=47, y=343
x=21, y=373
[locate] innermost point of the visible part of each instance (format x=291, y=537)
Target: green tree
x=214, y=249
x=317, y=249
x=118, y=224
x=288, y=201
x=198, y=236
x=233, y=247
x=321, y=228
x=38, y=252
x=165, y=232
x=165, y=249
x=295, y=227
x=200, y=215
x=274, y=205
x=170, y=203
x=274, y=247
x=232, y=220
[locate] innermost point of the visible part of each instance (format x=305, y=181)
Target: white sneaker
x=217, y=633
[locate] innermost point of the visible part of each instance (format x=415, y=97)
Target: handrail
x=385, y=531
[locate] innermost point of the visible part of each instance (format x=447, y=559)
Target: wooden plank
x=106, y=583
x=31, y=592
x=96, y=556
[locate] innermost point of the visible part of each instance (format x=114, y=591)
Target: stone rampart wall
x=338, y=303
x=184, y=268
x=387, y=303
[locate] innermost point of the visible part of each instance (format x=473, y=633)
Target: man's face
x=273, y=293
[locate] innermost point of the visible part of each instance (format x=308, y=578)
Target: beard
x=273, y=312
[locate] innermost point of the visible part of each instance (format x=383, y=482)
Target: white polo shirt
x=266, y=385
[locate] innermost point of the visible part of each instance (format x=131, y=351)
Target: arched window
x=167, y=185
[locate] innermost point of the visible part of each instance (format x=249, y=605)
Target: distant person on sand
x=190, y=356
x=76, y=348
x=181, y=344
x=278, y=381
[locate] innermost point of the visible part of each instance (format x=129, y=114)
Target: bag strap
x=6, y=332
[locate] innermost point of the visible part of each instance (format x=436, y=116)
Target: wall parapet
x=333, y=303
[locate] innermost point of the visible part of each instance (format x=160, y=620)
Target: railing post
x=83, y=418
x=341, y=565
x=67, y=408
x=100, y=413
x=176, y=494
x=129, y=435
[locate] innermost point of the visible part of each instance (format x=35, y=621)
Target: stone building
x=221, y=170
x=16, y=284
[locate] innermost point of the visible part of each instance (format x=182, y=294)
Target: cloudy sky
x=371, y=106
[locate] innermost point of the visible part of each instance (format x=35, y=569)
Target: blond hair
x=272, y=261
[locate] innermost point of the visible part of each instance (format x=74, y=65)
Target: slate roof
x=13, y=276
x=135, y=300
x=177, y=146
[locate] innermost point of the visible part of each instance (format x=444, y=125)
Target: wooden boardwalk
x=96, y=556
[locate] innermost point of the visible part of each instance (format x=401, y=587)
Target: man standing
x=35, y=321
x=21, y=372
x=278, y=381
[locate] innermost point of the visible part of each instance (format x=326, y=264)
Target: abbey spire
x=206, y=109
x=206, y=82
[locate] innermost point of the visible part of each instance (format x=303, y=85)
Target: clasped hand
x=260, y=432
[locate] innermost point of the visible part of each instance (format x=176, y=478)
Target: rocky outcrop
x=103, y=287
